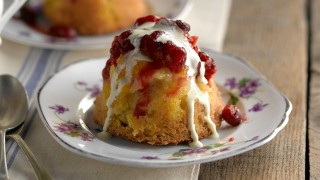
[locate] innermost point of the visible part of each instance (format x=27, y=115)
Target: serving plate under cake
x=65, y=104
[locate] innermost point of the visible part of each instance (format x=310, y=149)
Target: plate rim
x=152, y=164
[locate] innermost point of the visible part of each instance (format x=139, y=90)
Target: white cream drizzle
x=130, y=59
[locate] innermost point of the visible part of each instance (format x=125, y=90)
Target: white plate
x=19, y=32
x=64, y=103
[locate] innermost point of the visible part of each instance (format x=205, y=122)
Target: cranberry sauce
x=209, y=64
x=120, y=45
x=163, y=54
x=32, y=17
x=150, y=18
x=62, y=31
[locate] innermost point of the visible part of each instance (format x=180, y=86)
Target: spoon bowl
x=13, y=111
x=13, y=102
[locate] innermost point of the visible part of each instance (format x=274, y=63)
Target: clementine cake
x=158, y=86
x=92, y=17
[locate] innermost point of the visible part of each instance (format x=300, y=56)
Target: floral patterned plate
x=19, y=32
x=65, y=104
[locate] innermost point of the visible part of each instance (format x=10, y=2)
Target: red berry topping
x=163, y=54
x=183, y=26
x=148, y=44
x=166, y=22
x=175, y=58
x=125, y=44
x=28, y=15
x=150, y=18
x=232, y=115
x=120, y=45
x=209, y=65
x=115, y=48
x=63, y=31
x=193, y=42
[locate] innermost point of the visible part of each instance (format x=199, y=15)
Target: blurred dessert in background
x=92, y=17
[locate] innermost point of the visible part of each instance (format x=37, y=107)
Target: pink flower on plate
x=74, y=130
x=59, y=109
x=83, y=86
x=258, y=107
x=86, y=136
x=94, y=91
x=149, y=157
x=67, y=127
x=231, y=83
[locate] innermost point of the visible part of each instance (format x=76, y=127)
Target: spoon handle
x=3, y=158
x=40, y=172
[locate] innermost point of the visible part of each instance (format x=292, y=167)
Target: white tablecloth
x=32, y=66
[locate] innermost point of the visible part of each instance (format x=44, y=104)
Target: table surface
x=282, y=40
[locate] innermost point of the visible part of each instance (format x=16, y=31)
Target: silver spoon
x=13, y=111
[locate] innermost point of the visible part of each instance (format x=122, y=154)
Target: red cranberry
x=150, y=18
x=163, y=54
x=193, y=42
x=63, y=31
x=114, y=54
x=115, y=48
x=232, y=115
x=28, y=15
x=183, y=26
x=209, y=65
x=176, y=57
x=165, y=22
x=120, y=45
x=125, y=44
x=149, y=47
